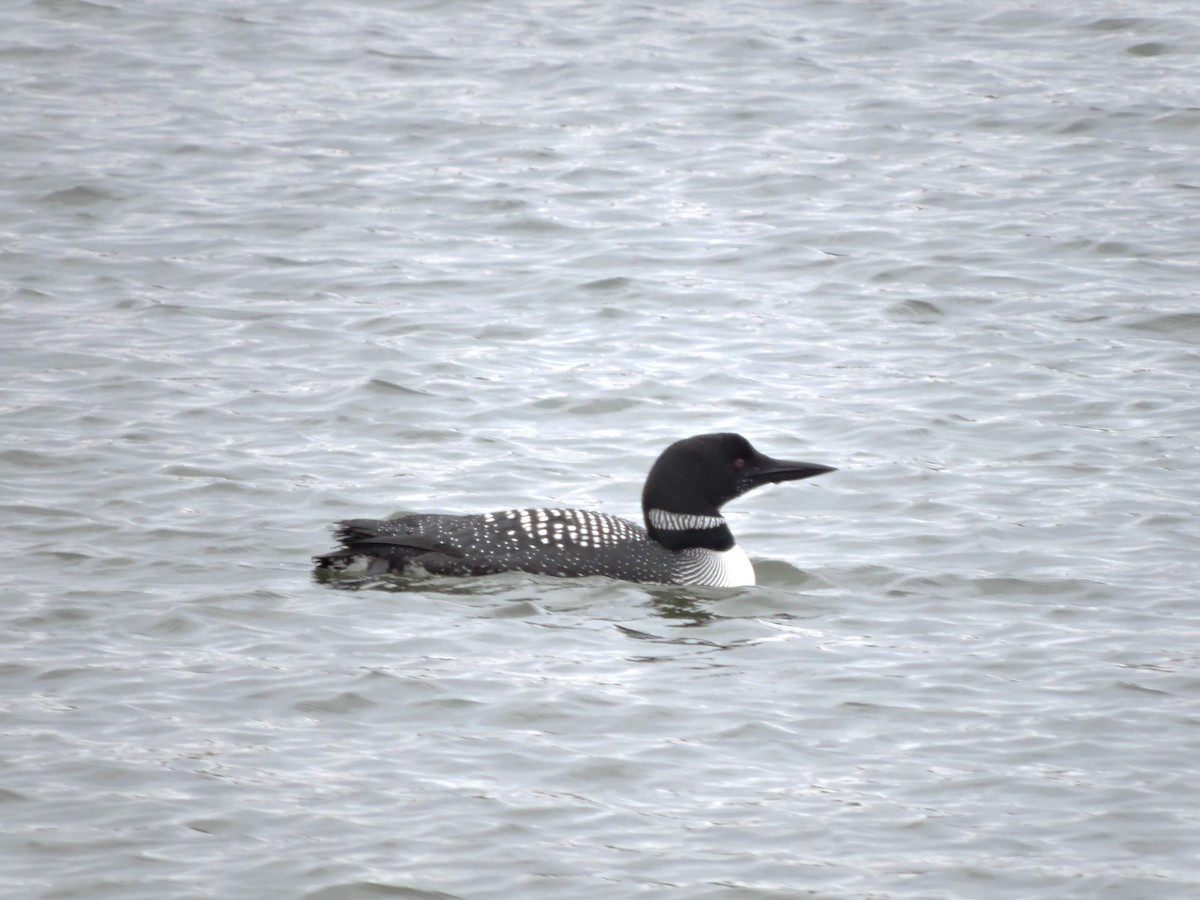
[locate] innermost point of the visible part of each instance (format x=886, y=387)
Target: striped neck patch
x=669, y=521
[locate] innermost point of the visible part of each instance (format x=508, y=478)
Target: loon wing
x=411, y=532
x=391, y=545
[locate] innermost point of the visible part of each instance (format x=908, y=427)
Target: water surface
x=270, y=265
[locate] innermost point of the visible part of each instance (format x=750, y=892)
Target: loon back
x=685, y=541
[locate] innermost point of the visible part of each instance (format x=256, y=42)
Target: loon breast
x=717, y=568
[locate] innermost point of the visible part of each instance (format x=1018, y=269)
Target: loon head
x=692, y=479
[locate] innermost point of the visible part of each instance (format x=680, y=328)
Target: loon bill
x=686, y=539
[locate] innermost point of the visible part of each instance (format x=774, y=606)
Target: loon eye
x=739, y=464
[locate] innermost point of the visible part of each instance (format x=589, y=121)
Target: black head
x=699, y=475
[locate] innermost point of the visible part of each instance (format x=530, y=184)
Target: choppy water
x=269, y=265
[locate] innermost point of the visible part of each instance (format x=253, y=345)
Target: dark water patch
x=352, y=890
x=1179, y=326
x=79, y=196
x=918, y=310
x=343, y=703
x=1119, y=23
x=1149, y=48
x=385, y=386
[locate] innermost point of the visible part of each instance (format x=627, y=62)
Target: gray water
x=268, y=265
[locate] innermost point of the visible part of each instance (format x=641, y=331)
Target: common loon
x=685, y=541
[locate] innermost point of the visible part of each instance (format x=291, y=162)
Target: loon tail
x=384, y=547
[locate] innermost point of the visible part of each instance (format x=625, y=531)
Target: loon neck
x=680, y=530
